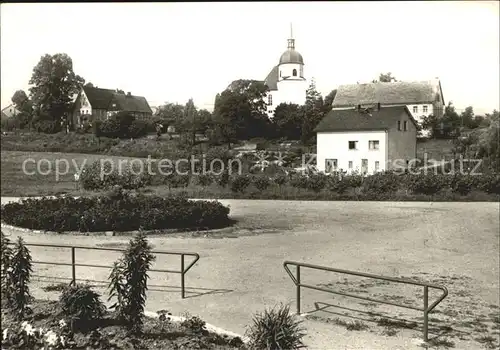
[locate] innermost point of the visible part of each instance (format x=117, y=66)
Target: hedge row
x=117, y=211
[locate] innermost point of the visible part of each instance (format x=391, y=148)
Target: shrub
x=382, y=183
x=275, y=329
x=426, y=183
x=137, y=129
x=204, y=180
x=128, y=283
x=240, y=182
x=47, y=126
x=18, y=279
x=489, y=183
x=121, y=211
x=280, y=179
x=82, y=305
x=316, y=182
x=261, y=182
x=175, y=180
x=223, y=179
x=99, y=177
x=193, y=324
x=464, y=184
x=6, y=258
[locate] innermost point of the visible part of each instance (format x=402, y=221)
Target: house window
x=350, y=164
x=301, y=71
x=353, y=145
x=269, y=100
x=425, y=109
x=294, y=72
x=364, y=166
x=280, y=74
x=373, y=145
x=415, y=109
x=399, y=125
x=330, y=165
x=405, y=125
x=377, y=165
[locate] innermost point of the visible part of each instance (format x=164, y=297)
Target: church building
x=286, y=81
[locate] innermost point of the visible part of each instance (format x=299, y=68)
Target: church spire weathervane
x=291, y=41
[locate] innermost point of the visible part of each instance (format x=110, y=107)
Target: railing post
x=298, y=289
x=426, y=313
x=73, y=267
x=182, y=276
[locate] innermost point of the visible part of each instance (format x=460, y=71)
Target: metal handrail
x=183, y=270
x=426, y=309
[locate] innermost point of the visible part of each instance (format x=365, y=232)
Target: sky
x=170, y=52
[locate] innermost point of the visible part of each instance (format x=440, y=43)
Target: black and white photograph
x=263, y=175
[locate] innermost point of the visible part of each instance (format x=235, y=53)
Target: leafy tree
x=288, y=119
x=172, y=113
x=23, y=104
x=489, y=141
x=54, y=84
x=89, y=84
x=445, y=127
x=240, y=111
x=18, y=279
x=329, y=101
x=313, y=113
x=385, y=78
x=191, y=122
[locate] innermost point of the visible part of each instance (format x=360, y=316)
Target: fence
x=426, y=309
x=183, y=270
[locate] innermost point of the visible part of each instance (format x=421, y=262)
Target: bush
x=316, y=182
x=128, y=283
x=204, y=180
x=261, y=182
x=91, y=178
x=489, y=183
x=464, y=184
x=275, y=329
x=47, y=126
x=6, y=258
x=193, y=324
x=382, y=183
x=280, y=179
x=240, y=182
x=82, y=305
x=17, y=280
x=175, y=180
x=122, y=125
x=426, y=183
x=223, y=179
x=121, y=211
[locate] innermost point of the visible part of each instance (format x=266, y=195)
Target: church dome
x=291, y=56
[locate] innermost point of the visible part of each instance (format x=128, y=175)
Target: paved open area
x=240, y=271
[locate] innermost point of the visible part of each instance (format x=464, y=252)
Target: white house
x=366, y=140
x=422, y=98
x=286, y=81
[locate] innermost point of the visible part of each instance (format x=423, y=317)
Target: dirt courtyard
x=240, y=271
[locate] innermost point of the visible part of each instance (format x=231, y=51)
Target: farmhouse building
x=422, y=98
x=100, y=104
x=9, y=112
x=366, y=140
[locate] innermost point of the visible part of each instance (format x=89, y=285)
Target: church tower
x=286, y=81
x=291, y=64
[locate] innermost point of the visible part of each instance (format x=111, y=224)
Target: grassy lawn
x=453, y=244
x=15, y=182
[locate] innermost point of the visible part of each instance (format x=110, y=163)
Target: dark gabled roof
x=354, y=120
x=272, y=79
x=130, y=103
x=400, y=92
x=105, y=98
x=99, y=98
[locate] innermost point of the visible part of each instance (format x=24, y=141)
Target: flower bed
x=46, y=326
x=117, y=211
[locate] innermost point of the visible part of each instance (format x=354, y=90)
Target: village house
x=366, y=140
x=9, y=112
x=422, y=98
x=100, y=104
